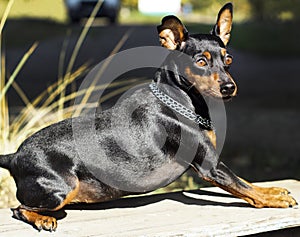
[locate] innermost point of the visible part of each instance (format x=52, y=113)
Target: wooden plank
x=205, y=212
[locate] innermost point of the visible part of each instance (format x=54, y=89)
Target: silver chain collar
x=179, y=108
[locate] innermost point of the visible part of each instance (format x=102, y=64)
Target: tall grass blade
x=43, y=101
x=82, y=36
x=62, y=56
x=4, y=115
x=77, y=47
x=100, y=72
x=5, y=15
x=2, y=23
x=17, y=70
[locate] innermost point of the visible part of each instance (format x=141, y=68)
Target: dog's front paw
x=273, y=197
x=273, y=191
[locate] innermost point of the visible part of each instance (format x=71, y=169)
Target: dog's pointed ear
x=224, y=23
x=172, y=33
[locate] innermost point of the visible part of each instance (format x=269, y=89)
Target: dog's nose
x=227, y=88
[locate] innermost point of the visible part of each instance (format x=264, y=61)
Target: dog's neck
x=176, y=86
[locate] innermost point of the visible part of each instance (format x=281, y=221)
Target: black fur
x=46, y=164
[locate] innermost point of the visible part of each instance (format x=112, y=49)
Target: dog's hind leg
x=45, y=196
x=38, y=221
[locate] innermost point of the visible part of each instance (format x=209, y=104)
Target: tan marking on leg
x=89, y=193
x=70, y=196
x=39, y=221
x=259, y=197
x=33, y=217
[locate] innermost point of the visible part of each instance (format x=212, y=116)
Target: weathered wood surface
x=205, y=212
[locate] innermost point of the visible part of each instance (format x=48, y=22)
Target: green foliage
x=267, y=38
x=39, y=9
x=131, y=4
x=258, y=10
x=263, y=38
x=275, y=10
x=253, y=9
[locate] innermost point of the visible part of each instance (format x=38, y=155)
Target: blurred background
x=48, y=46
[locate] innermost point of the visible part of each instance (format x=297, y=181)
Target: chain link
x=179, y=108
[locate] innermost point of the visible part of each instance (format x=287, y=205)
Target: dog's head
x=207, y=69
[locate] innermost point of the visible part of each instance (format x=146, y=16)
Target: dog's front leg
x=220, y=175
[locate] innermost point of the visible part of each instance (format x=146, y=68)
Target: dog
x=49, y=172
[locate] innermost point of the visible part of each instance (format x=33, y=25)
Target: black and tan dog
x=50, y=173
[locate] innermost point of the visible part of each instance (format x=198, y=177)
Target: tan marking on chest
x=212, y=137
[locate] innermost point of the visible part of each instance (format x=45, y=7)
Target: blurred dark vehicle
x=78, y=9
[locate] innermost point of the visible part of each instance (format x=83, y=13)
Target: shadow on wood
x=133, y=202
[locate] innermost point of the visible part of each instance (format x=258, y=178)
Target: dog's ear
x=172, y=33
x=224, y=23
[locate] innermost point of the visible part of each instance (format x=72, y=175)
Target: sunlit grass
x=40, y=9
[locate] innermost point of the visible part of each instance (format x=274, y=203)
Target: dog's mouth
x=227, y=98
x=216, y=95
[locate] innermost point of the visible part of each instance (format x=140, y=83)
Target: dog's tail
x=5, y=161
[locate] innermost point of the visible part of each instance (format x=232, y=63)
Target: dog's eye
x=228, y=60
x=201, y=62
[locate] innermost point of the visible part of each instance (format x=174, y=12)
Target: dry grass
x=51, y=106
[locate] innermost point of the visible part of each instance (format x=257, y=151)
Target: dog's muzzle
x=227, y=89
